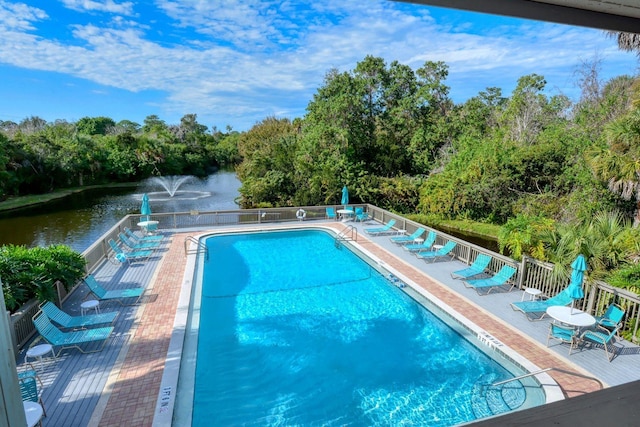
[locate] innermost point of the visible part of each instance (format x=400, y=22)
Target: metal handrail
x=530, y=374
x=342, y=236
x=200, y=247
x=541, y=371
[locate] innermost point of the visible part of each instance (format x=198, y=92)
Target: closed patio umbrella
x=345, y=196
x=579, y=266
x=145, y=209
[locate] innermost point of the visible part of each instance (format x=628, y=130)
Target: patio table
x=345, y=214
x=571, y=316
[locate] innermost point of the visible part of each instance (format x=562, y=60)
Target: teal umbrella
x=145, y=209
x=345, y=196
x=579, y=266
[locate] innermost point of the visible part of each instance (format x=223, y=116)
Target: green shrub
x=32, y=272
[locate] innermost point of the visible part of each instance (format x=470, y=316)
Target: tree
x=627, y=41
x=268, y=152
x=95, y=125
x=618, y=163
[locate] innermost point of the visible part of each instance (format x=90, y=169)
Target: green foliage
x=38, y=157
x=32, y=272
x=607, y=241
x=626, y=277
x=523, y=235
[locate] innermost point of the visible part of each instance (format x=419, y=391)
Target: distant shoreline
x=20, y=202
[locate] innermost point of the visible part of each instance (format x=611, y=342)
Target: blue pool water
x=296, y=331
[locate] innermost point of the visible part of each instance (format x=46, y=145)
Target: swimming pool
x=296, y=330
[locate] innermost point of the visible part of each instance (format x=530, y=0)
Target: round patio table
x=571, y=316
x=345, y=214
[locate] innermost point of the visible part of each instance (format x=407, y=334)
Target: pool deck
x=120, y=385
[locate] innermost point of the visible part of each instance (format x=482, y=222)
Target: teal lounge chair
x=424, y=246
x=536, y=310
x=603, y=337
x=115, y=294
x=500, y=279
x=58, y=338
x=440, y=253
x=133, y=236
x=330, y=213
x=378, y=231
x=478, y=267
x=71, y=322
x=136, y=246
x=122, y=256
x=401, y=240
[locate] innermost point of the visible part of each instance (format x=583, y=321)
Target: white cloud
x=252, y=58
x=123, y=8
x=19, y=17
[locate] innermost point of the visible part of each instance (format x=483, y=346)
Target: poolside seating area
x=63, y=377
x=510, y=307
x=87, y=347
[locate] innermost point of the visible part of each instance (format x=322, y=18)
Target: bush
x=32, y=272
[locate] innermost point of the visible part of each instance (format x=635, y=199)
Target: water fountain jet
x=171, y=183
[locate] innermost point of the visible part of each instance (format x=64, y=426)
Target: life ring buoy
x=301, y=214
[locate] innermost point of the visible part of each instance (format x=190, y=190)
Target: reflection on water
x=81, y=219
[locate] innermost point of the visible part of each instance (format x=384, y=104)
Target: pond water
x=80, y=219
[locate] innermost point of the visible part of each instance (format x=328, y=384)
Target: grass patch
x=37, y=199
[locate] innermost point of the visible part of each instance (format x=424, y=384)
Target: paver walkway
x=134, y=393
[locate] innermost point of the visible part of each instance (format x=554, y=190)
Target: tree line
x=38, y=157
x=561, y=177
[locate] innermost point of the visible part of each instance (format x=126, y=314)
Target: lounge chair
x=330, y=213
x=478, y=267
x=424, y=246
x=500, y=279
x=440, y=253
x=122, y=256
x=136, y=246
x=536, y=310
x=136, y=238
x=58, y=338
x=378, y=231
x=611, y=318
x=563, y=333
x=401, y=240
x=115, y=294
x=601, y=336
x=71, y=322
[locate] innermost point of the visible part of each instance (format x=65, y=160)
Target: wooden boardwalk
x=119, y=385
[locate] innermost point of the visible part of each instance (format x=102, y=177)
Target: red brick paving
x=133, y=398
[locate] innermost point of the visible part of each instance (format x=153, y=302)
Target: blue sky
x=236, y=62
